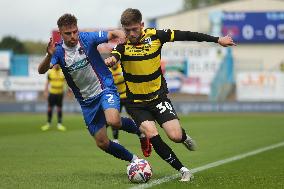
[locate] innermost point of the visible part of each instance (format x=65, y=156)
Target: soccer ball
x=139, y=171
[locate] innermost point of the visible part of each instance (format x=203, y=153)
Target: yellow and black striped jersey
x=141, y=64
x=56, y=81
x=119, y=80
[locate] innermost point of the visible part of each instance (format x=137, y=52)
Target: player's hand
x=50, y=47
x=45, y=94
x=226, y=41
x=69, y=93
x=110, y=61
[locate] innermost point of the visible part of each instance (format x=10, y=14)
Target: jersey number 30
x=163, y=106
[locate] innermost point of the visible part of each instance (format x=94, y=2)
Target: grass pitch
x=30, y=158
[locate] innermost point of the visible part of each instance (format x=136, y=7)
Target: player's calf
x=146, y=146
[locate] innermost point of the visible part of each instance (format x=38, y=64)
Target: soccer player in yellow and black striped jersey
x=54, y=92
x=146, y=88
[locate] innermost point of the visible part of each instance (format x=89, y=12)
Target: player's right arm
x=45, y=65
x=115, y=56
x=110, y=61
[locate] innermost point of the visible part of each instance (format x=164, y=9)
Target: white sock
x=142, y=135
x=134, y=158
x=183, y=169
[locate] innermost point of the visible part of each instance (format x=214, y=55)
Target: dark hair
x=130, y=16
x=66, y=20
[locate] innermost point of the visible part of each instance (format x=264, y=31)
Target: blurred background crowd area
x=200, y=76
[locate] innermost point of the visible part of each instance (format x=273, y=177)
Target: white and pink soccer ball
x=139, y=171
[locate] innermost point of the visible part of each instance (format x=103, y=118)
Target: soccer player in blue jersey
x=91, y=82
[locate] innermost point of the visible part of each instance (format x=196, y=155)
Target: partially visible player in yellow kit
x=117, y=74
x=54, y=92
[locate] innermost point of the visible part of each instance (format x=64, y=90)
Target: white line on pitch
x=210, y=165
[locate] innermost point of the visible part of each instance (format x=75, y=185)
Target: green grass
x=30, y=158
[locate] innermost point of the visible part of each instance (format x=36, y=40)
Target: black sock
x=165, y=152
x=59, y=116
x=49, y=115
x=183, y=138
x=115, y=133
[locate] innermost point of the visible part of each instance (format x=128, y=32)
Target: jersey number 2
x=110, y=98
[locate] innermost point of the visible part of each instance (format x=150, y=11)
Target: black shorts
x=160, y=110
x=55, y=99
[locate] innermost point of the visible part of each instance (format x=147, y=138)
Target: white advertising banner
x=202, y=67
x=193, y=85
x=22, y=83
x=34, y=61
x=5, y=59
x=260, y=86
x=202, y=63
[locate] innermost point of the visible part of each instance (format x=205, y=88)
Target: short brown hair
x=130, y=16
x=66, y=20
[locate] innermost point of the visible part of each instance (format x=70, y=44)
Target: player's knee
x=115, y=123
x=175, y=137
x=103, y=143
x=149, y=130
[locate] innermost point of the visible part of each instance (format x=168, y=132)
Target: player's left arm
x=117, y=35
x=177, y=35
x=226, y=41
x=98, y=37
x=69, y=91
x=196, y=36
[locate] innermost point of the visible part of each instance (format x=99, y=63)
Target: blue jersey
x=83, y=66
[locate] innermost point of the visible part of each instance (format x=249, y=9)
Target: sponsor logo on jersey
x=78, y=65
